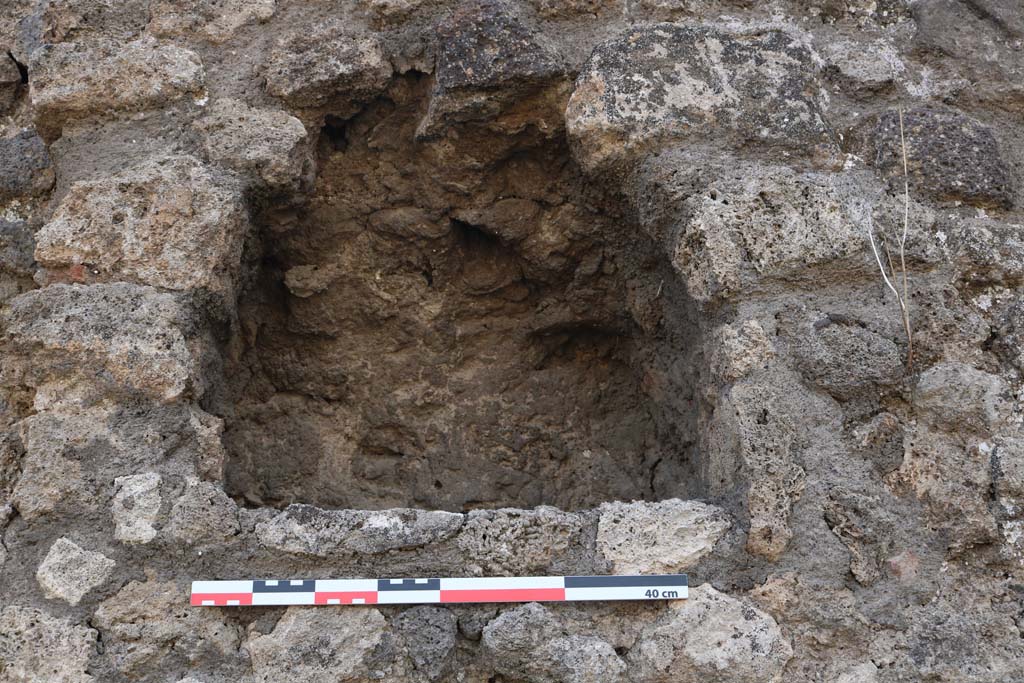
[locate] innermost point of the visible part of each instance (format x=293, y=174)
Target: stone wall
x=301, y=289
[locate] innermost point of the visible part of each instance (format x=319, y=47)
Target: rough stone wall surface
x=308, y=289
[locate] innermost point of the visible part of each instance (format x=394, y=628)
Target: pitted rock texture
x=674, y=83
x=170, y=223
x=399, y=288
x=136, y=334
x=74, y=81
x=69, y=571
x=36, y=647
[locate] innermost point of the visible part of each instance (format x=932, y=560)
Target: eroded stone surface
x=69, y=572
x=135, y=334
x=268, y=144
x=658, y=538
x=74, y=81
x=313, y=67
x=38, y=648
x=317, y=645
x=149, y=625
x=673, y=83
x=306, y=530
x=169, y=222
x=136, y=507
x=712, y=637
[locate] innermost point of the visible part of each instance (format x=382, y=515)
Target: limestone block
x=216, y=21
x=324, y=63
x=527, y=643
x=509, y=541
x=69, y=572
x=491, y=64
x=307, y=530
x=136, y=507
x=144, y=623
x=658, y=538
x=956, y=397
x=26, y=170
x=430, y=635
x=951, y=157
x=952, y=477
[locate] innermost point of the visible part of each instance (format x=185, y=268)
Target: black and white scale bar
x=437, y=591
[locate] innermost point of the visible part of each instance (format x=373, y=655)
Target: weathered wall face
x=404, y=288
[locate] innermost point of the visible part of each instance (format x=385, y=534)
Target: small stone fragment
x=737, y=349
x=667, y=84
x=266, y=144
x=69, y=572
x=711, y=637
x=658, y=538
x=324, y=64
x=203, y=514
x=38, y=648
x=168, y=222
x=429, y=634
x=72, y=81
x=317, y=646
x=136, y=507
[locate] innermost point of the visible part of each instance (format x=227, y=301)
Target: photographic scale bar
x=258, y=593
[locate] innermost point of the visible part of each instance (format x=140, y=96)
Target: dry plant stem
x=892, y=278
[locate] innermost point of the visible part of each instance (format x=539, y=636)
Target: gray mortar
x=408, y=288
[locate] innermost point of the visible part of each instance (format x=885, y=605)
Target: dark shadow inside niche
x=457, y=324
